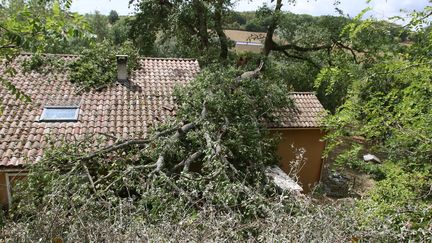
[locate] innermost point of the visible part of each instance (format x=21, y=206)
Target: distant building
x=246, y=41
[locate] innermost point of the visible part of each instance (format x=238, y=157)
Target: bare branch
x=251, y=74
x=301, y=58
x=90, y=178
x=128, y=143
x=191, y=159
x=8, y=47
x=159, y=164
x=300, y=48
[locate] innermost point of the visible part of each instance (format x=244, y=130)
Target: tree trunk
x=201, y=16
x=268, y=42
x=218, y=28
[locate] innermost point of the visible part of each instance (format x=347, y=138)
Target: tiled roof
x=306, y=112
x=125, y=112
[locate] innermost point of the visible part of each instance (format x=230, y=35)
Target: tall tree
x=113, y=17
x=99, y=25
x=191, y=24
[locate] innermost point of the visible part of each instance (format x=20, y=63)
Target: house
x=249, y=41
x=246, y=41
x=301, y=138
x=126, y=110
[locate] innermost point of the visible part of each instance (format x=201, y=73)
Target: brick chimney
x=122, y=71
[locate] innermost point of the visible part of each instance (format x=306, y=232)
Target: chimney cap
x=121, y=58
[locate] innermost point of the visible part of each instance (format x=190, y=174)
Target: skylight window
x=60, y=113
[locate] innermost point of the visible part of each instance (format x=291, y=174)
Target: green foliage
x=37, y=27
x=119, y=32
x=396, y=200
x=228, y=176
x=307, y=30
x=99, y=25
x=191, y=28
x=40, y=26
x=248, y=21
x=97, y=68
x=46, y=64
x=389, y=109
x=386, y=112
x=113, y=17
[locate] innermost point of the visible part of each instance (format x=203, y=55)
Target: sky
x=382, y=9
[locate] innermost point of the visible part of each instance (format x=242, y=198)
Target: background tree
x=99, y=25
x=185, y=23
x=113, y=17
x=119, y=31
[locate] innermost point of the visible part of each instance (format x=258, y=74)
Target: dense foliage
x=386, y=113
x=97, y=66
x=215, y=161
x=201, y=175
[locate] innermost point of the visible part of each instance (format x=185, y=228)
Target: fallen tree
x=214, y=152
x=199, y=177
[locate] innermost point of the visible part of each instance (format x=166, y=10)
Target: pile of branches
x=199, y=177
x=213, y=153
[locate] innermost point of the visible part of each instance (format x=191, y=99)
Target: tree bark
x=218, y=28
x=201, y=15
x=269, y=44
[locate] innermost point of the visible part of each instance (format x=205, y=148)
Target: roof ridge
x=50, y=54
x=309, y=92
x=140, y=57
x=169, y=58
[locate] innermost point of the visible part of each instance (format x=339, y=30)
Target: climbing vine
x=94, y=68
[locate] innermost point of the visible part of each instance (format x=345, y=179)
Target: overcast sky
x=381, y=8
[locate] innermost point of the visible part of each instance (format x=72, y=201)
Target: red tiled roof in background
x=125, y=112
x=306, y=112
x=118, y=110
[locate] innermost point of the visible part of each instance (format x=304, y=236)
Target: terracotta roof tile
x=127, y=112
x=307, y=112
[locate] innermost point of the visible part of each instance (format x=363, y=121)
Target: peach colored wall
x=4, y=200
x=309, y=139
x=3, y=190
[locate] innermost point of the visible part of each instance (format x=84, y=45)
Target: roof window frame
x=43, y=117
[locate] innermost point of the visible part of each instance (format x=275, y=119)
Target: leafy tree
x=252, y=26
x=186, y=22
x=99, y=25
x=386, y=113
x=119, y=32
x=113, y=17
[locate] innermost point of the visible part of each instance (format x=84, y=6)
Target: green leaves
x=37, y=27
x=96, y=66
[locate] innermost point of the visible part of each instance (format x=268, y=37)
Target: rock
x=282, y=180
x=371, y=158
x=336, y=185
